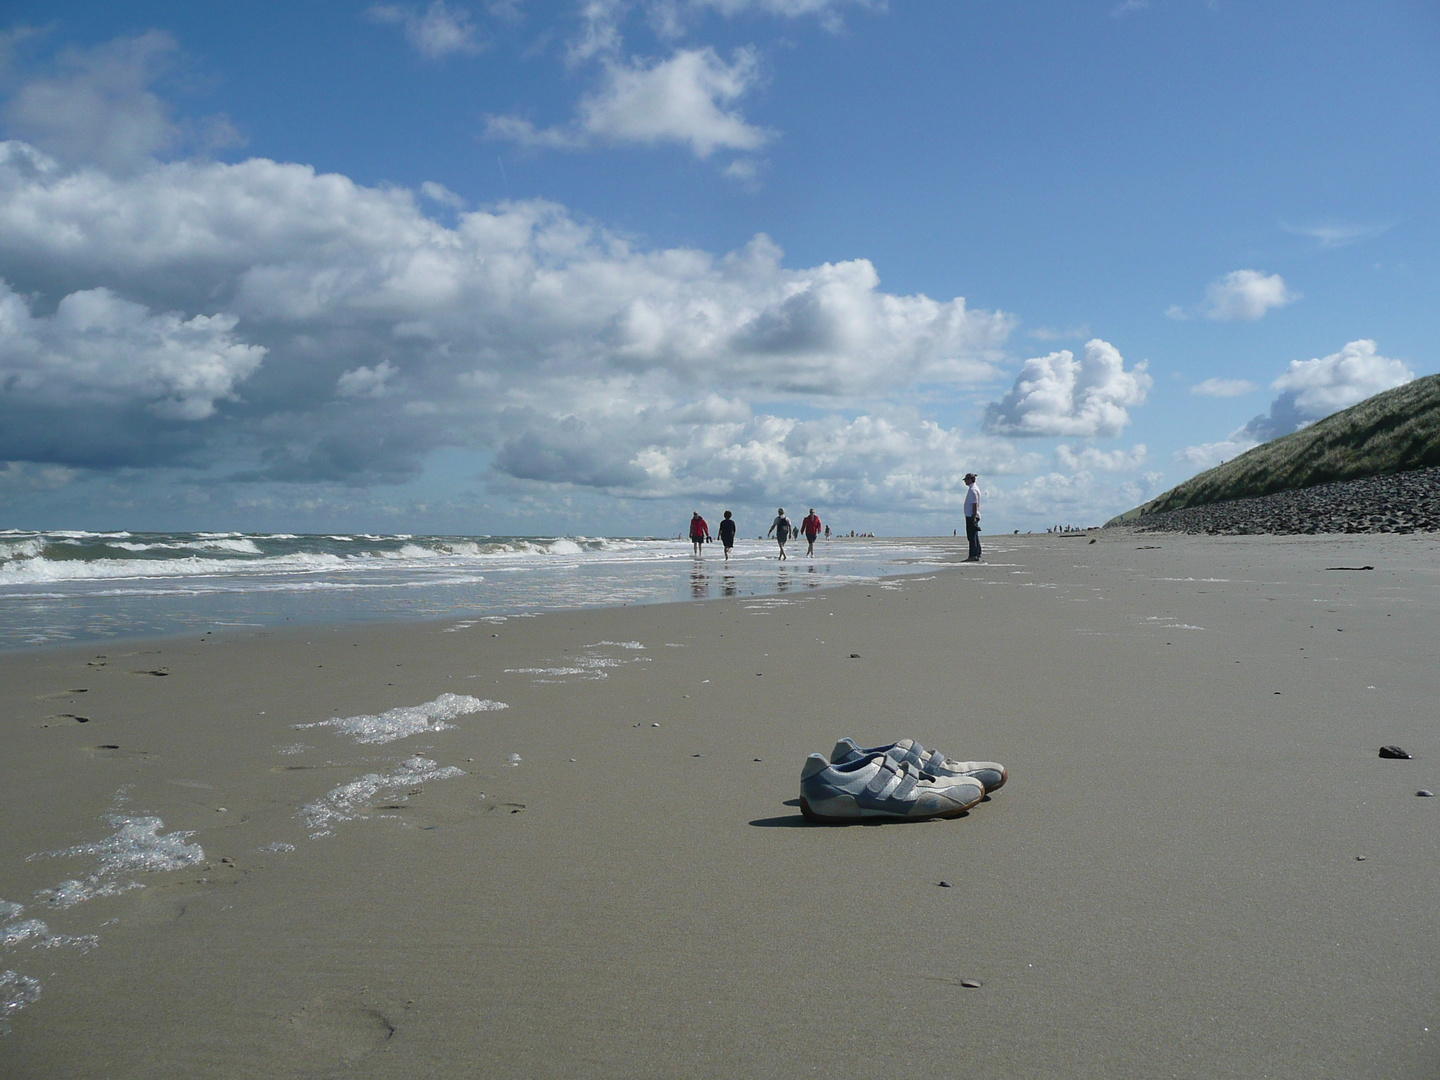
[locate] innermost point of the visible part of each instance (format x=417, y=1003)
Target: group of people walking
x=781, y=528
x=810, y=527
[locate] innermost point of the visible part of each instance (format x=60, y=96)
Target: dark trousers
x=972, y=533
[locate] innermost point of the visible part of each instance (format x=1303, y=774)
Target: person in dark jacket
x=727, y=534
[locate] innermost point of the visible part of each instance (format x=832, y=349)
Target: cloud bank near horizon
x=317, y=330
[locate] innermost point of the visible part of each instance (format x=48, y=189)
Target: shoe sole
x=811, y=814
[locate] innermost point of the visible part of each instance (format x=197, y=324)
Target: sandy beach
x=1199, y=867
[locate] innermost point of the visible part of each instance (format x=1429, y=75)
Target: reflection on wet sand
x=727, y=585
x=783, y=583
x=699, y=584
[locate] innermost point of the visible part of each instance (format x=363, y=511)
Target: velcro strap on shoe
x=884, y=777
x=906, y=785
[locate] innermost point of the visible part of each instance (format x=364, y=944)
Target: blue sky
x=578, y=267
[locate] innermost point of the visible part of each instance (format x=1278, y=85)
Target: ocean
x=77, y=586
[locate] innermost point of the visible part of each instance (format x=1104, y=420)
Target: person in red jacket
x=699, y=531
x=811, y=528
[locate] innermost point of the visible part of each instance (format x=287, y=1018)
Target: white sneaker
x=881, y=787
x=929, y=762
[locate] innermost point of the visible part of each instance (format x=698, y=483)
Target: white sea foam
x=21, y=549
x=9, y=910
x=584, y=667
x=556, y=674
x=237, y=545
x=16, y=991
x=40, y=937
x=135, y=847
x=351, y=801
x=278, y=846
x=38, y=571
x=407, y=720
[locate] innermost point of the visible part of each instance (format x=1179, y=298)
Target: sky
x=583, y=266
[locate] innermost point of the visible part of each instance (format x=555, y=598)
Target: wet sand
x=1170, y=884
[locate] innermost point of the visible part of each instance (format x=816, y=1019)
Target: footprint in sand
x=62, y=693
x=344, y=1026
x=66, y=716
x=113, y=750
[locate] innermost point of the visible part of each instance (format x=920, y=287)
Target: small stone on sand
x=1359, y=858
x=970, y=984
x=854, y=656
x=1394, y=753
x=943, y=884
x=1425, y=793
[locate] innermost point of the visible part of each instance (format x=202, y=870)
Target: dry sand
x=1170, y=885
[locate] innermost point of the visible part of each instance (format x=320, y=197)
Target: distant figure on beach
x=727, y=534
x=972, y=516
x=699, y=531
x=810, y=526
x=827, y=532
x=782, y=529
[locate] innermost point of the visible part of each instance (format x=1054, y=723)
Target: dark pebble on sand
x=1359, y=858
x=970, y=984
x=944, y=884
x=854, y=656
x=1425, y=793
x=1394, y=753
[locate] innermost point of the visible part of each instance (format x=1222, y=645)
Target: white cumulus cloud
x=1060, y=395
x=436, y=32
x=366, y=381
x=1246, y=295
x=1063, y=498
x=1309, y=390
x=1093, y=459
x=99, y=348
x=96, y=106
x=1223, y=388
x=684, y=99
x=1208, y=455
x=569, y=354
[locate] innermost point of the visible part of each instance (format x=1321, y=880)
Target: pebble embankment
x=1395, y=503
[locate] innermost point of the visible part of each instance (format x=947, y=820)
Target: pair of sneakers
x=901, y=780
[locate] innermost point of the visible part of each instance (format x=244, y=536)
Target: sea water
x=84, y=586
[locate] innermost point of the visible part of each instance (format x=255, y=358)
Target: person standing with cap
x=972, y=516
